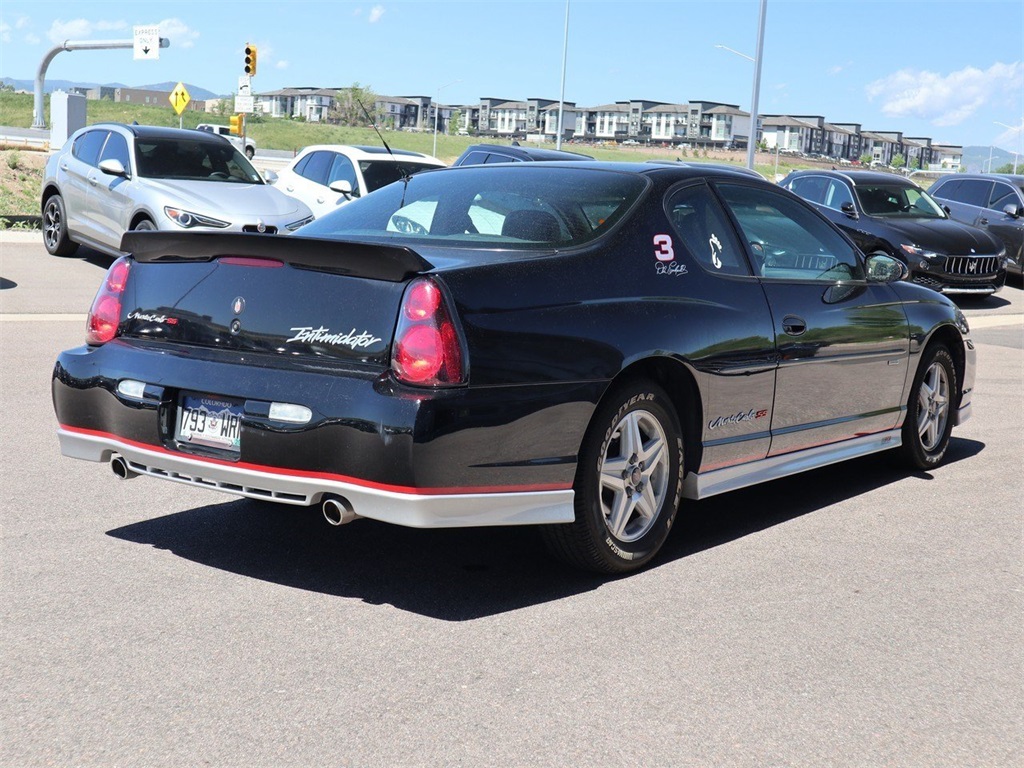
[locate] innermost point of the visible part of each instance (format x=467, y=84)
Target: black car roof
x=858, y=177
x=526, y=153
x=162, y=132
x=1008, y=177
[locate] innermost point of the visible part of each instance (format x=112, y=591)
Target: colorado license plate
x=210, y=421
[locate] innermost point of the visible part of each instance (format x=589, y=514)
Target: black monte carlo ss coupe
x=574, y=345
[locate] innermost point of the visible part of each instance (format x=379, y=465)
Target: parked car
x=326, y=176
x=724, y=166
x=222, y=130
x=482, y=154
x=111, y=178
x=573, y=345
x=993, y=202
x=880, y=211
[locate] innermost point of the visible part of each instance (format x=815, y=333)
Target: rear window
x=519, y=206
x=380, y=173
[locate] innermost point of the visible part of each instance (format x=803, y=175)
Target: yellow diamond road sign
x=179, y=98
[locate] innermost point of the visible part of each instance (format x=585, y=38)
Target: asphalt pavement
x=852, y=616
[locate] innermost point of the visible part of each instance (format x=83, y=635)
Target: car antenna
x=401, y=168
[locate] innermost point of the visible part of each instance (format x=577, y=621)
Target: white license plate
x=210, y=421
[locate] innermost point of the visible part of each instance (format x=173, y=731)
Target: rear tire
x=628, y=483
x=929, y=421
x=55, y=228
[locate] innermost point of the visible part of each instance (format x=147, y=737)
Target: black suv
x=993, y=201
x=883, y=212
x=479, y=154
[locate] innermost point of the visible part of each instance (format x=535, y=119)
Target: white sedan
x=327, y=176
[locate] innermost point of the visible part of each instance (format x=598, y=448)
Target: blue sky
x=948, y=69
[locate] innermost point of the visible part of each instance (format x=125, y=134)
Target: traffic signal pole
x=69, y=45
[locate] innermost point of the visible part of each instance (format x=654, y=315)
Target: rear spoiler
x=378, y=262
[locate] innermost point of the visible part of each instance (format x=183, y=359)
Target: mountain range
x=64, y=85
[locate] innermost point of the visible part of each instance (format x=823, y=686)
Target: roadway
x=853, y=616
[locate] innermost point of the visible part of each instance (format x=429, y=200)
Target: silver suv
x=111, y=178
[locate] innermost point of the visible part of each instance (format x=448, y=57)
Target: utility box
x=67, y=115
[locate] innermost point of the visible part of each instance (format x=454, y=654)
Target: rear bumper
x=416, y=510
x=465, y=457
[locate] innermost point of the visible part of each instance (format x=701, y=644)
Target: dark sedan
x=578, y=346
x=883, y=212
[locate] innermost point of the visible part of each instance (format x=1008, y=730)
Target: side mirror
x=849, y=209
x=113, y=167
x=270, y=176
x=1013, y=211
x=343, y=187
x=883, y=268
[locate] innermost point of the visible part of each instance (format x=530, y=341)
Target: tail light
x=105, y=315
x=428, y=350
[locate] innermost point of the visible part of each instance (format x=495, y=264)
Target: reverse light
x=105, y=315
x=427, y=351
x=188, y=219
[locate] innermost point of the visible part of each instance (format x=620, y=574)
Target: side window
x=705, y=231
x=343, y=170
x=317, y=167
x=301, y=165
x=87, y=147
x=116, y=148
x=837, y=195
x=495, y=157
x=1002, y=196
x=475, y=158
x=810, y=188
x=947, y=189
x=975, y=192
x=788, y=241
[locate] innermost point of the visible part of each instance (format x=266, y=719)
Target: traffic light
x=236, y=124
x=250, y=59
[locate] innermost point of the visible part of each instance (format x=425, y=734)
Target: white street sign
x=147, y=42
x=245, y=104
x=245, y=85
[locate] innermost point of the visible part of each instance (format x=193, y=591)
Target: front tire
x=628, y=483
x=929, y=419
x=144, y=225
x=55, y=228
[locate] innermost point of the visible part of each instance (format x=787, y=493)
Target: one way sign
x=147, y=42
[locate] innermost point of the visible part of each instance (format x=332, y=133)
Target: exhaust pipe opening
x=338, y=511
x=121, y=469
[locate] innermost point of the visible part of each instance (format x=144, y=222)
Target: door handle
x=983, y=222
x=320, y=200
x=793, y=325
x=92, y=180
x=290, y=189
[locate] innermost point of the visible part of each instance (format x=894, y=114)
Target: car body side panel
x=844, y=376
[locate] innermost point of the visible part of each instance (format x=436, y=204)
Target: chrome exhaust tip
x=120, y=468
x=338, y=511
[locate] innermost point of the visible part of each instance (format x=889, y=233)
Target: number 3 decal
x=663, y=248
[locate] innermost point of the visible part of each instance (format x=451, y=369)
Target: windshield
x=898, y=201
x=380, y=173
x=519, y=206
x=193, y=160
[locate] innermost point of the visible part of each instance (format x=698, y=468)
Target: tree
x=915, y=163
x=866, y=158
x=346, y=109
x=454, y=122
x=898, y=161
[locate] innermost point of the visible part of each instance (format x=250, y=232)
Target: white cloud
x=282, y=64
x=78, y=29
x=23, y=22
x=32, y=39
x=945, y=99
x=5, y=32
x=375, y=13
x=178, y=32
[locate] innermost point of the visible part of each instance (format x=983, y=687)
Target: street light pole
x=758, y=58
x=1020, y=132
x=437, y=109
x=561, y=97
